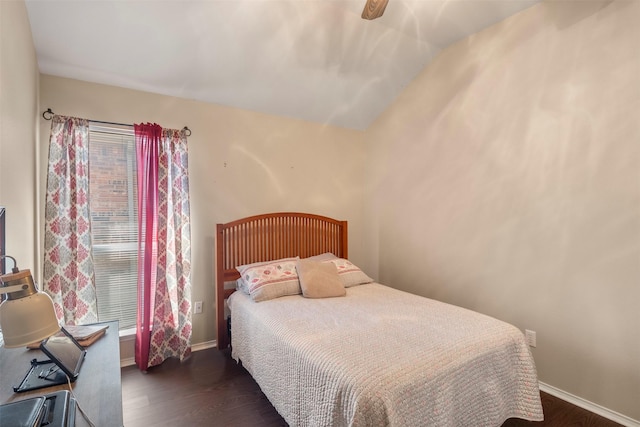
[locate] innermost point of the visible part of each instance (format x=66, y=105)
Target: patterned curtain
x=164, y=266
x=68, y=264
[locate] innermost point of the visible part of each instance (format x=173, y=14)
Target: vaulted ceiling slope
x=315, y=60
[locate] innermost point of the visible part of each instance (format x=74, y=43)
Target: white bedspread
x=382, y=357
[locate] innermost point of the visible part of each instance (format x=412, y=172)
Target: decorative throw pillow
x=319, y=279
x=242, y=286
x=349, y=273
x=271, y=279
x=322, y=257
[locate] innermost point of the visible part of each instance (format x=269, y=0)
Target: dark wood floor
x=210, y=389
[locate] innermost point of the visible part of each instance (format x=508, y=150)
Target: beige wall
x=509, y=183
x=18, y=113
x=240, y=163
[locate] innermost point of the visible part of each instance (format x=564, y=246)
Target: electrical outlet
x=197, y=307
x=530, y=337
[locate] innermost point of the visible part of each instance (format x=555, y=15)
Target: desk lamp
x=26, y=315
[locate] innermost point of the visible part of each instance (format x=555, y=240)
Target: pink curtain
x=164, y=265
x=68, y=271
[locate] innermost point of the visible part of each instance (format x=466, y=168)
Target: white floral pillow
x=349, y=273
x=241, y=286
x=271, y=279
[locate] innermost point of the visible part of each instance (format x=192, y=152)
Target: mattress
x=383, y=357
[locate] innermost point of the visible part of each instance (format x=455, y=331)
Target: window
x=113, y=204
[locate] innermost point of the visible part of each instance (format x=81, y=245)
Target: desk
x=98, y=388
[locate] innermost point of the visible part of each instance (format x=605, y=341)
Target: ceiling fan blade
x=374, y=9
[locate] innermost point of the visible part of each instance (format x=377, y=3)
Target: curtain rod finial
x=48, y=112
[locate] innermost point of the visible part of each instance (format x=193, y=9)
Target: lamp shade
x=26, y=316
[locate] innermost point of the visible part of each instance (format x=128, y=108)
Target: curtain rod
x=186, y=130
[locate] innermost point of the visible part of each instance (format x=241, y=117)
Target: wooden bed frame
x=269, y=237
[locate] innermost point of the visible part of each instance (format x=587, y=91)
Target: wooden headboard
x=269, y=237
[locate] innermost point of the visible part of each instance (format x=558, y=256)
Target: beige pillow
x=327, y=256
x=319, y=279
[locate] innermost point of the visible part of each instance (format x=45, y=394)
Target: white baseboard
x=589, y=406
x=127, y=362
x=204, y=345
x=195, y=347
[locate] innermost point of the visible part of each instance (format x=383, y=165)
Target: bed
x=374, y=356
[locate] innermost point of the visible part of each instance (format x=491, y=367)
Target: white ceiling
x=315, y=60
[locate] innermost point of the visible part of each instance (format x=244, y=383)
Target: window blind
x=114, y=221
